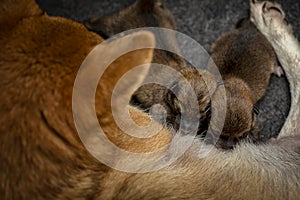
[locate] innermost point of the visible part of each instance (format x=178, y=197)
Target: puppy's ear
x=100, y=26
x=146, y=5
x=243, y=22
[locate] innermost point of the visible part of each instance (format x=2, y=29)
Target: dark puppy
x=245, y=60
x=143, y=13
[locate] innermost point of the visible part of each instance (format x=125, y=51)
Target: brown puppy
x=245, y=60
x=40, y=151
x=179, y=101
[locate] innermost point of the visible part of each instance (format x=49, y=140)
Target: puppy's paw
x=269, y=18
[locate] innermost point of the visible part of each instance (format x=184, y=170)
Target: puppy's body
x=43, y=158
x=245, y=60
x=246, y=54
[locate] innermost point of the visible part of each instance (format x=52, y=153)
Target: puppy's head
x=241, y=119
x=180, y=102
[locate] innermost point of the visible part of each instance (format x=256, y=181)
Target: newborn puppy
x=180, y=102
x=144, y=13
x=245, y=60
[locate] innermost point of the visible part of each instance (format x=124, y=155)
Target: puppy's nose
x=229, y=144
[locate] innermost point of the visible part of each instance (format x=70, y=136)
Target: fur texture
x=42, y=156
x=245, y=60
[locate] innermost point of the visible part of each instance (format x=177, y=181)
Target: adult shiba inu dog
x=42, y=156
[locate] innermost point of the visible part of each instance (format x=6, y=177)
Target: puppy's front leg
x=269, y=18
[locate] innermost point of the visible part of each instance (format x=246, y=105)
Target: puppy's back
x=245, y=53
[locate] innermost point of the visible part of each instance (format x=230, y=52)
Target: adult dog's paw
x=269, y=18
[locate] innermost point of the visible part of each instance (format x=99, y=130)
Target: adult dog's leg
x=270, y=20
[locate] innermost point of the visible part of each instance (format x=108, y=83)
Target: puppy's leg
x=270, y=20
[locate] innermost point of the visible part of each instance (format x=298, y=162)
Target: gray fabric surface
x=203, y=20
